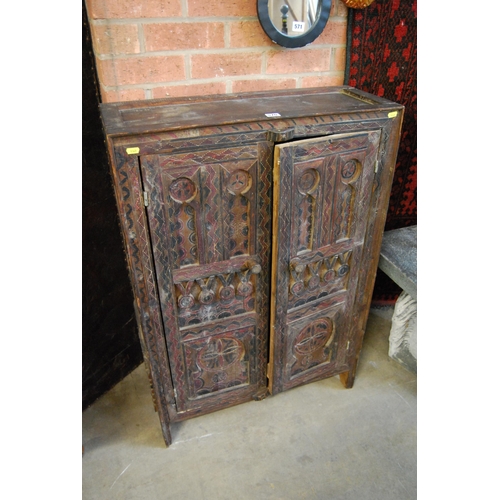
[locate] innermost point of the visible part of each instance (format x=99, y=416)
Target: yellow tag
x=392, y=114
x=132, y=151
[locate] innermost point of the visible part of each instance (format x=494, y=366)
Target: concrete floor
x=318, y=441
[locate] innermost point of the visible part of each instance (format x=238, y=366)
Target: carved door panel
x=209, y=220
x=322, y=190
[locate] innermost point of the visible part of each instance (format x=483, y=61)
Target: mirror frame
x=292, y=42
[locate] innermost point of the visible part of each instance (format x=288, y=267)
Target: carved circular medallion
x=297, y=288
x=313, y=282
x=343, y=270
x=206, y=296
x=220, y=354
x=182, y=190
x=239, y=182
x=245, y=288
x=308, y=182
x=329, y=276
x=186, y=301
x=226, y=292
x=314, y=336
x=349, y=169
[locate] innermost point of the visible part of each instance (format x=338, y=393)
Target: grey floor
x=318, y=441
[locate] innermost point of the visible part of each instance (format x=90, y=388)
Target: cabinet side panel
x=387, y=154
x=128, y=190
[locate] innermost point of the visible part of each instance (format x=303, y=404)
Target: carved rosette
x=182, y=190
x=218, y=363
x=312, y=345
x=220, y=354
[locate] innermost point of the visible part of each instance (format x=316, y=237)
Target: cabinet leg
x=347, y=378
x=167, y=436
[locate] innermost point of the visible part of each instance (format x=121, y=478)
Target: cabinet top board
x=155, y=115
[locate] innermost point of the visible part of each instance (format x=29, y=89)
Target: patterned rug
x=382, y=60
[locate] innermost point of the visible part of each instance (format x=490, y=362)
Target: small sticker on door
x=132, y=151
x=272, y=115
x=392, y=114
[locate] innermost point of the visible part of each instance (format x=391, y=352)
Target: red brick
x=122, y=95
x=190, y=90
x=248, y=34
x=137, y=70
x=339, y=58
x=222, y=8
x=122, y=9
x=182, y=36
x=341, y=9
x=322, y=81
x=335, y=33
x=224, y=65
x=115, y=39
x=267, y=84
x=298, y=61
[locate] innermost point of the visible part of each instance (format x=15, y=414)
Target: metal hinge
x=376, y=166
x=145, y=195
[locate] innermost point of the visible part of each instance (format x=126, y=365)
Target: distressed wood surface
x=325, y=190
x=150, y=116
x=204, y=212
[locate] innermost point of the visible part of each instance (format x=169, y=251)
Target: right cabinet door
x=322, y=194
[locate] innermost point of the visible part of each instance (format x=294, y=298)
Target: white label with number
x=298, y=27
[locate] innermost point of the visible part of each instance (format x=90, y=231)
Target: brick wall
x=157, y=48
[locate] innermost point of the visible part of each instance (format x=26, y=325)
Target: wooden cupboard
x=252, y=226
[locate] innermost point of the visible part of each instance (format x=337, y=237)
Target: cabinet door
x=322, y=191
x=209, y=220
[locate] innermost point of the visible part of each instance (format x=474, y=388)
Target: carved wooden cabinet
x=252, y=226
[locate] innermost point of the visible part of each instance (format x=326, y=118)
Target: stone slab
x=398, y=258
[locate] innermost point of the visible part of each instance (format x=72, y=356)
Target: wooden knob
x=256, y=269
x=297, y=267
x=253, y=267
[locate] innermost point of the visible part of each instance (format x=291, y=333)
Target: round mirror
x=293, y=23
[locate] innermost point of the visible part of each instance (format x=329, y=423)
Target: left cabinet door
x=209, y=220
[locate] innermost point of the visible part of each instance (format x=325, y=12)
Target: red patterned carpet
x=382, y=60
